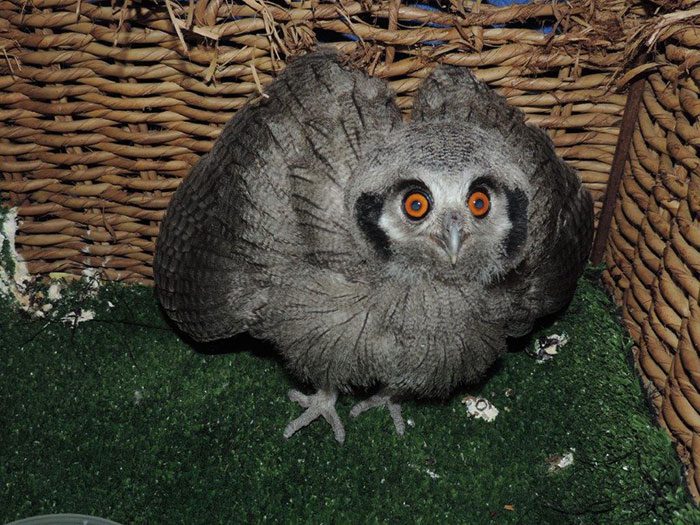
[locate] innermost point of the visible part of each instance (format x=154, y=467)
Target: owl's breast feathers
x=420, y=337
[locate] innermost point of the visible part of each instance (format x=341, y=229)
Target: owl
x=381, y=257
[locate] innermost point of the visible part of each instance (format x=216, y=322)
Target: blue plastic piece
x=546, y=28
x=427, y=7
x=506, y=3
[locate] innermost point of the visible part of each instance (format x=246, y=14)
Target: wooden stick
x=629, y=120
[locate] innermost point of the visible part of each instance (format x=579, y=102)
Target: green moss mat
x=119, y=418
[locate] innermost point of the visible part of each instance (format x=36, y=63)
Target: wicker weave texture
x=653, y=257
x=103, y=109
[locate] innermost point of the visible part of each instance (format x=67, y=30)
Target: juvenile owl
x=379, y=256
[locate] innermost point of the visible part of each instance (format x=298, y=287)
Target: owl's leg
x=320, y=404
x=382, y=399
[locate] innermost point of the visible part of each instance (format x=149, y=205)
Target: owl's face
x=459, y=218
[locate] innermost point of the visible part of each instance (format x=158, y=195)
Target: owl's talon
x=320, y=404
x=382, y=400
x=298, y=397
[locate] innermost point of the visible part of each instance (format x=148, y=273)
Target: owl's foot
x=382, y=399
x=320, y=404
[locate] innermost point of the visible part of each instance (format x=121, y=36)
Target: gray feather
x=292, y=228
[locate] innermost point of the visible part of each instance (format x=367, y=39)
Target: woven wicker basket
x=653, y=258
x=104, y=107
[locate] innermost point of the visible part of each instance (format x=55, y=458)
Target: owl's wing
x=268, y=196
x=334, y=116
x=197, y=258
x=560, y=214
x=560, y=237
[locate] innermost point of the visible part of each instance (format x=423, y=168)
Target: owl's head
x=450, y=204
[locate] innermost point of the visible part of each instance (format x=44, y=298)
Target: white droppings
x=54, y=293
x=78, y=317
x=23, y=286
x=546, y=347
x=16, y=283
x=480, y=408
x=560, y=461
x=431, y=473
x=93, y=278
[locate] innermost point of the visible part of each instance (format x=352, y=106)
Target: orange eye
x=479, y=203
x=416, y=205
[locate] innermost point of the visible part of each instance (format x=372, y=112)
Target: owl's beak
x=452, y=235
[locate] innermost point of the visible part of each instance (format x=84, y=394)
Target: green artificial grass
x=118, y=417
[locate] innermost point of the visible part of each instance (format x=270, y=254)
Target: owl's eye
x=416, y=205
x=479, y=203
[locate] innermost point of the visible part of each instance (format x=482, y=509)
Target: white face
x=455, y=224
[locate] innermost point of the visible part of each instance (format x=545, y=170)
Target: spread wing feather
x=270, y=190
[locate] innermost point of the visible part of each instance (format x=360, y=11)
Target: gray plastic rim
x=63, y=519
